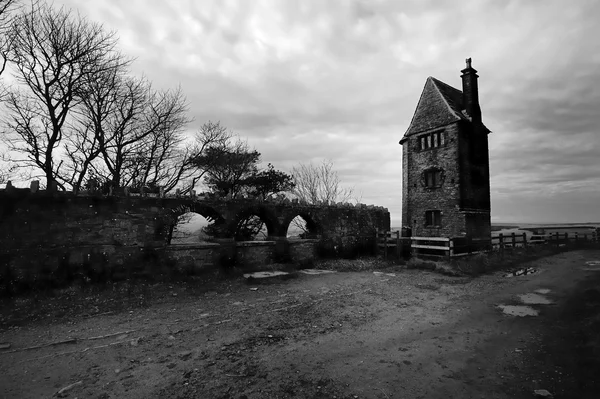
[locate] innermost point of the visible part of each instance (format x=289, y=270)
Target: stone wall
x=463, y=197
x=303, y=251
x=418, y=198
x=194, y=258
x=252, y=255
x=60, y=236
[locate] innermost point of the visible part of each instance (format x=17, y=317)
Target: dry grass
x=504, y=259
x=354, y=265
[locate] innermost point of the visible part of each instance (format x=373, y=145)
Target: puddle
x=521, y=311
x=534, y=299
x=521, y=272
x=315, y=271
x=593, y=262
x=594, y=266
x=384, y=274
x=543, y=291
x=265, y=274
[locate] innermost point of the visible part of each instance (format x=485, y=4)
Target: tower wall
x=456, y=201
x=418, y=199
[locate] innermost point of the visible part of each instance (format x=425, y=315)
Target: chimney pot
x=471, y=92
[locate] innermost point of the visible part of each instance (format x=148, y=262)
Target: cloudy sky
x=313, y=79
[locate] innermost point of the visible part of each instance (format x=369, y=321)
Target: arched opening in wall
x=251, y=228
x=302, y=227
x=192, y=228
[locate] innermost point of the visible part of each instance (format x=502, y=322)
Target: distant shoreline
x=507, y=226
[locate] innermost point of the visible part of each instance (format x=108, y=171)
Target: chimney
x=470, y=92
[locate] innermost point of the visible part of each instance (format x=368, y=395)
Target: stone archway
x=264, y=214
x=312, y=227
x=204, y=210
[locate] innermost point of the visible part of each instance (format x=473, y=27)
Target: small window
x=431, y=140
x=433, y=178
x=433, y=218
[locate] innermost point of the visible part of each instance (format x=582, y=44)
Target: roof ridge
x=435, y=81
x=445, y=84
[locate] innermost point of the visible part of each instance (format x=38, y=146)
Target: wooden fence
x=390, y=243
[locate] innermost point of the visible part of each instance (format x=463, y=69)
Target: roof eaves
x=432, y=129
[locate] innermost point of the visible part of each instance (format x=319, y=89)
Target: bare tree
x=6, y=169
x=161, y=160
x=99, y=100
x=140, y=116
x=319, y=184
x=7, y=7
x=54, y=53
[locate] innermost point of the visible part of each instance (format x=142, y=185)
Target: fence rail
x=392, y=243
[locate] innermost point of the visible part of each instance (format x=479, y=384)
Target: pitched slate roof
x=439, y=105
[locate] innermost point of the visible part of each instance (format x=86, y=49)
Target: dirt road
x=410, y=334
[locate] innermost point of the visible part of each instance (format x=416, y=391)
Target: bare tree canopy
x=54, y=53
x=140, y=136
x=315, y=184
x=7, y=7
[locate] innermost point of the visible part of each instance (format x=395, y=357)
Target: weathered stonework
x=459, y=152
x=48, y=235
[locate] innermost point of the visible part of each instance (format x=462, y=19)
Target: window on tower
x=433, y=218
x=432, y=178
x=432, y=140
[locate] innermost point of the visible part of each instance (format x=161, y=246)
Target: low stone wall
x=49, y=238
x=23, y=269
x=302, y=251
x=253, y=255
x=194, y=258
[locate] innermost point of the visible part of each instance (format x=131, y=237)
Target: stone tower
x=445, y=163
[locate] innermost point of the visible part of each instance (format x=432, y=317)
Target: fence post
x=514, y=241
x=501, y=241
x=376, y=242
x=524, y=240
x=566, y=238
x=385, y=248
x=451, y=247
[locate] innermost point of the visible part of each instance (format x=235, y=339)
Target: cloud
x=340, y=80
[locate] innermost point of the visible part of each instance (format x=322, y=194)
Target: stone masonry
x=42, y=234
x=445, y=161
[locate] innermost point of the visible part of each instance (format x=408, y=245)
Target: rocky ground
x=401, y=334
